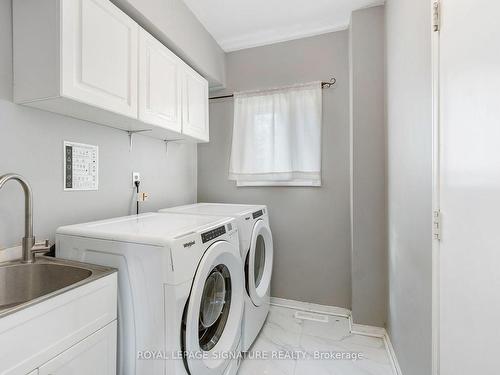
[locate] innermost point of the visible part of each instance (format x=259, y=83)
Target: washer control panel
x=257, y=214
x=212, y=234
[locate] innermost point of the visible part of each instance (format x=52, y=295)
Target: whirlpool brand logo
x=189, y=244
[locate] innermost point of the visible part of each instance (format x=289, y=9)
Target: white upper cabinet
x=159, y=84
x=99, y=55
x=87, y=59
x=195, y=106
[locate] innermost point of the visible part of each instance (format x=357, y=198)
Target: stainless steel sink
x=24, y=284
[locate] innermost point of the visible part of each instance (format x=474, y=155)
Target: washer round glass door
x=260, y=263
x=214, y=311
x=215, y=306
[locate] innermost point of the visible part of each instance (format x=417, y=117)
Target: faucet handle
x=41, y=247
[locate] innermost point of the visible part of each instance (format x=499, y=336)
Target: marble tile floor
x=290, y=346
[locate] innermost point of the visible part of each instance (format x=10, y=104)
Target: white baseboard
x=358, y=329
x=361, y=329
x=311, y=307
x=392, y=355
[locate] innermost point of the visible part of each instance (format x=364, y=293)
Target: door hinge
x=436, y=225
x=436, y=17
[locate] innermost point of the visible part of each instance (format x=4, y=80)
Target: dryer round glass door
x=214, y=311
x=259, y=263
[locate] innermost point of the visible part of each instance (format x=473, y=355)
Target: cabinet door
x=159, y=84
x=99, y=55
x=195, y=106
x=94, y=355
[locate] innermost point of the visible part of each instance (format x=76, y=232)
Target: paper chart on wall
x=81, y=166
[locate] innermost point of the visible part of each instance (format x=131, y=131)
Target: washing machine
x=256, y=248
x=180, y=289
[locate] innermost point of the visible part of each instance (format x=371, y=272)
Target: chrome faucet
x=29, y=245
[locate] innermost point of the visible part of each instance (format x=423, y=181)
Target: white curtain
x=277, y=137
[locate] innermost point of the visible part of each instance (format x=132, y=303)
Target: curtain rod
x=324, y=85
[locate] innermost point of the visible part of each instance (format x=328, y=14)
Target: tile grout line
x=300, y=345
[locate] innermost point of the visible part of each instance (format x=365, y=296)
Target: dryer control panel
x=214, y=233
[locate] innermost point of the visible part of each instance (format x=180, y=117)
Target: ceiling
x=238, y=24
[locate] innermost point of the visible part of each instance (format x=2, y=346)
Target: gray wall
x=368, y=189
x=310, y=226
x=172, y=22
x=409, y=173
x=31, y=143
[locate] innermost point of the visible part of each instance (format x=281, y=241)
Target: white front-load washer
x=256, y=247
x=180, y=289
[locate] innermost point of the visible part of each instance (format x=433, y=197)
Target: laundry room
x=233, y=187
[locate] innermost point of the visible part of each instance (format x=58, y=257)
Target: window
x=277, y=137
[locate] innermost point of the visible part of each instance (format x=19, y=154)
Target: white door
x=99, y=55
x=469, y=120
x=259, y=264
x=215, y=310
x=94, y=355
x=159, y=84
x=195, y=106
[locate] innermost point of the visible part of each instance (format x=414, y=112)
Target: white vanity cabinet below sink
x=95, y=354
x=71, y=333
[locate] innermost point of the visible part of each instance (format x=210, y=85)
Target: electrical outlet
x=136, y=176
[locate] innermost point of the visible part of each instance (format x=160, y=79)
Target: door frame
x=436, y=204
